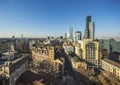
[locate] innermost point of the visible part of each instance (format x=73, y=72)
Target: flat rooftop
x=112, y=62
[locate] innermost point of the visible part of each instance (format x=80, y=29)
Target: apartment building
x=13, y=67
x=111, y=67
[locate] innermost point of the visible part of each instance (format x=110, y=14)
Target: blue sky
x=39, y=18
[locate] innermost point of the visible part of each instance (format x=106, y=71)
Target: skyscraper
x=88, y=19
x=71, y=33
x=78, y=36
x=65, y=35
x=89, y=31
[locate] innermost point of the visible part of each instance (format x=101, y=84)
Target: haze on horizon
x=39, y=18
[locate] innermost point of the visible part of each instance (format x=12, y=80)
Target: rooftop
x=112, y=62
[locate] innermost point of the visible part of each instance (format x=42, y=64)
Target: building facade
x=71, y=33
x=78, y=50
x=43, y=51
x=42, y=54
x=111, y=68
x=65, y=35
x=90, y=30
x=91, y=52
x=13, y=69
x=78, y=36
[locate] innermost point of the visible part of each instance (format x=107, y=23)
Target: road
x=69, y=77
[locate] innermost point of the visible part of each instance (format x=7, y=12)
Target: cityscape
x=42, y=44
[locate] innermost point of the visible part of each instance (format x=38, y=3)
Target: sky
x=41, y=18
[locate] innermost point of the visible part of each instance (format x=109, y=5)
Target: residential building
x=91, y=52
x=13, y=67
x=78, y=50
x=110, y=67
x=5, y=45
x=43, y=54
x=68, y=47
x=40, y=52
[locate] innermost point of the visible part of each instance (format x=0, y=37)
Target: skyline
x=53, y=18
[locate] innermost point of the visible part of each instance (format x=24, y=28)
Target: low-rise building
x=13, y=67
x=45, y=55
x=111, y=67
x=43, y=51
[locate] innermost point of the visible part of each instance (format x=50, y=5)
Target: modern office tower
x=21, y=36
x=78, y=36
x=68, y=35
x=91, y=52
x=71, y=33
x=65, y=35
x=89, y=31
x=86, y=35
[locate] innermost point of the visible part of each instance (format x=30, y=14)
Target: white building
x=68, y=48
x=111, y=68
x=78, y=49
x=13, y=68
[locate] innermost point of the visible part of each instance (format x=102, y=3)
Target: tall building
x=65, y=35
x=89, y=31
x=88, y=50
x=91, y=52
x=21, y=36
x=71, y=33
x=68, y=34
x=78, y=36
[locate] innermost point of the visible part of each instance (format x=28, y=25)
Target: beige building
x=111, y=68
x=78, y=50
x=11, y=70
x=40, y=52
x=47, y=53
x=91, y=52
x=88, y=50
